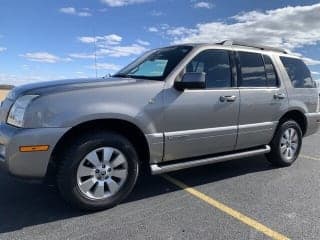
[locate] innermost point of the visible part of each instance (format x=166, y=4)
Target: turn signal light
x=38, y=148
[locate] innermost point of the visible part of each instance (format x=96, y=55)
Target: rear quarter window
x=298, y=72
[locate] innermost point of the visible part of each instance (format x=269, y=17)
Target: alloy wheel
x=102, y=172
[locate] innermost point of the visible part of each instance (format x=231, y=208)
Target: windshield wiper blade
x=122, y=75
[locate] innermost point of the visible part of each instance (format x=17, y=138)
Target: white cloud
x=122, y=51
x=16, y=80
x=288, y=27
x=315, y=73
x=68, y=10
x=121, y=3
x=81, y=74
x=112, y=39
x=84, y=12
x=141, y=42
x=203, y=4
x=87, y=39
x=179, y=31
x=83, y=56
x=106, y=66
x=2, y=49
x=160, y=28
x=110, y=45
x=153, y=29
x=310, y=61
x=44, y=57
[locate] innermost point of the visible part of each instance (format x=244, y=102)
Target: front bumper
x=27, y=164
x=313, y=123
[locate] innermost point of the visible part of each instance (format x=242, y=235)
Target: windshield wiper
x=122, y=75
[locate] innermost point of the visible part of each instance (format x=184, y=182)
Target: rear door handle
x=228, y=98
x=279, y=96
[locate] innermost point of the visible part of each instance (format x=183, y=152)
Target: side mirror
x=191, y=80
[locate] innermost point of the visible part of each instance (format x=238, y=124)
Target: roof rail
x=257, y=46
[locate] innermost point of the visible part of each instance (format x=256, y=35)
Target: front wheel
x=286, y=144
x=98, y=171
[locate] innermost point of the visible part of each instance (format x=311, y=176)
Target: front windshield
x=156, y=64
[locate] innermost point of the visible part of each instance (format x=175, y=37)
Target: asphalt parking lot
x=242, y=199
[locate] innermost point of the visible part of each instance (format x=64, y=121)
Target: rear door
x=263, y=99
x=204, y=121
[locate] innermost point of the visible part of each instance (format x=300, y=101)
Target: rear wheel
x=286, y=144
x=98, y=171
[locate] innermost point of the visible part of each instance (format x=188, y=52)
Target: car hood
x=70, y=85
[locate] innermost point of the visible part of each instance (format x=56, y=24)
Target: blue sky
x=53, y=39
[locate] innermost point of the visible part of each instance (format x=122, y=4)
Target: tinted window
x=216, y=65
x=272, y=80
x=298, y=72
x=252, y=70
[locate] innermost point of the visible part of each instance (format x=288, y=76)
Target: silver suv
x=172, y=108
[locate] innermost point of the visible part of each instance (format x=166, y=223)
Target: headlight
x=17, y=111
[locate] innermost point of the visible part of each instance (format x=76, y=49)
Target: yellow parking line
x=222, y=207
x=309, y=157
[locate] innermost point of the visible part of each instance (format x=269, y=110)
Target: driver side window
x=216, y=65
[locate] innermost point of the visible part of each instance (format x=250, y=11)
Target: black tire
x=73, y=155
x=275, y=157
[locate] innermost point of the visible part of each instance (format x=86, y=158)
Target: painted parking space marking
x=229, y=211
x=309, y=157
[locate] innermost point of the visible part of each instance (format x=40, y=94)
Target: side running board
x=163, y=168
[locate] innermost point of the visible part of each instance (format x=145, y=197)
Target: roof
x=239, y=44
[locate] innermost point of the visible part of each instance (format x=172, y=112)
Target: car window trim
x=239, y=72
x=230, y=69
x=289, y=77
x=232, y=74
x=258, y=87
x=278, y=84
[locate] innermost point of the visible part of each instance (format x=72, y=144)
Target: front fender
x=64, y=110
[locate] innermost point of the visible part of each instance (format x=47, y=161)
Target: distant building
x=6, y=87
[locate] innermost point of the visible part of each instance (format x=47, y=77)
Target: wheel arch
x=129, y=130
x=298, y=116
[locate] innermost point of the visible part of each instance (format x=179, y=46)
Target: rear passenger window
x=272, y=80
x=298, y=72
x=216, y=65
x=252, y=70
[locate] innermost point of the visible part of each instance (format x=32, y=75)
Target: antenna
x=95, y=52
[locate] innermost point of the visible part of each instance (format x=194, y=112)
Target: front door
x=203, y=122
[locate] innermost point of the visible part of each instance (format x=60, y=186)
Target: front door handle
x=279, y=96
x=228, y=98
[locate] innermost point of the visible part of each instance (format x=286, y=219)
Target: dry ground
x=286, y=200
x=3, y=94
